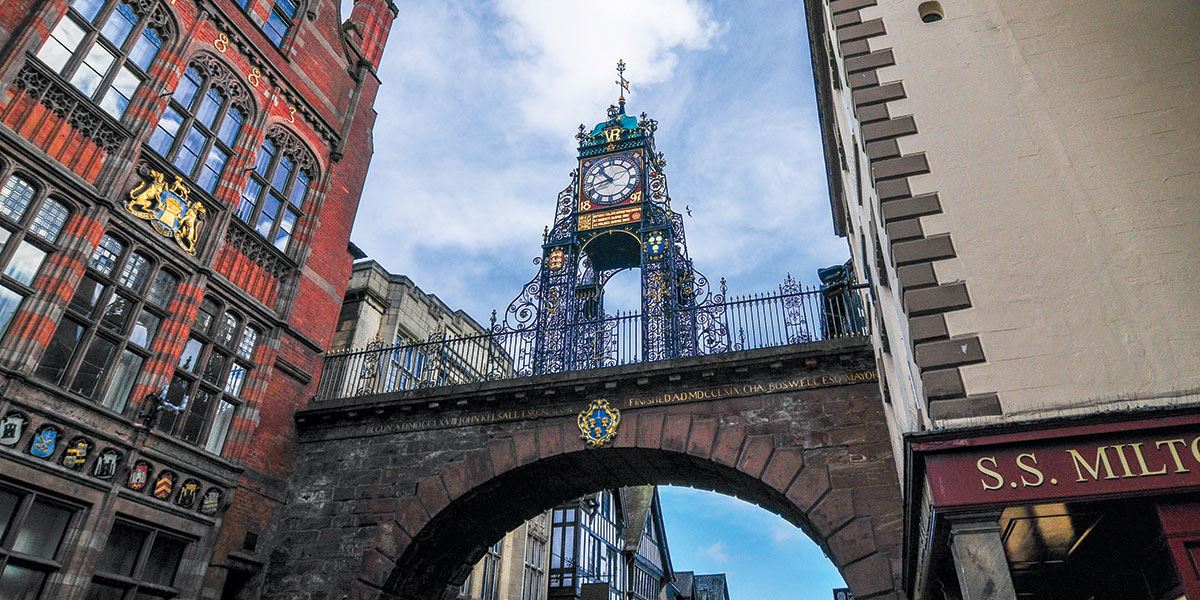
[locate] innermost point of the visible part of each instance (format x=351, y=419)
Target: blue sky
x=763, y=556
x=479, y=105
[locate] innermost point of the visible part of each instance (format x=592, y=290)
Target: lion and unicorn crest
x=168, y=209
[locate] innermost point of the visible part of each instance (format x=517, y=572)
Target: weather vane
x=621, y=81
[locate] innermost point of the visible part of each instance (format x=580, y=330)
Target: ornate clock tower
x=615, y=215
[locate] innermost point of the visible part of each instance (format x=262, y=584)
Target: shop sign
x=1041, y=470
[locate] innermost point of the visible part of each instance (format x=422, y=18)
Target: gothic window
x=207, y=387
x=491, y=573
x=29, y=228
x=138, y=562
x=533, y=585
x=280, y=21
x=274, y=198
x=32, y=528
x=200, y=126
x=105, y=49
x=105, y=336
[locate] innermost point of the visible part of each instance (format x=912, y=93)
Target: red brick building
x=178, y=181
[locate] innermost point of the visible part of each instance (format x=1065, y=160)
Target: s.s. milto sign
x=1083, y=461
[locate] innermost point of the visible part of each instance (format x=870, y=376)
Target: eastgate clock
x=610, y=180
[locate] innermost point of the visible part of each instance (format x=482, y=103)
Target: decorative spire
x=622, y=83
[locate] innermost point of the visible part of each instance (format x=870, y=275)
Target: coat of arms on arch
x=168, y=208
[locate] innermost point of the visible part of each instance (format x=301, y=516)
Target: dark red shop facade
x=1092, y=508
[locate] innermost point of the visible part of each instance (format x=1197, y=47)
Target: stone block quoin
x=863, y=45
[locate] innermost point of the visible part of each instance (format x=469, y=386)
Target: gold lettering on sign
x=612, y=135
x=291, y=114
x=1031, y=468
x=990, y=473
x=254, y=77
x=1137, y=451
x=221, y=43
x=1179, y=468
x=1092, y=469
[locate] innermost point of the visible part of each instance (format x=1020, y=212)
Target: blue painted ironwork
x=558, y=322
x=792, y=314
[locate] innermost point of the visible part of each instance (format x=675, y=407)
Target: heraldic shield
x=598, y=423
x=168, y=209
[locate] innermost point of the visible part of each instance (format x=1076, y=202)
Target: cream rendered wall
x=1063, y=137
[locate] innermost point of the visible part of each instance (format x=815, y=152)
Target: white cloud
x=716, y=552
x=566, y=52
x=474, y=139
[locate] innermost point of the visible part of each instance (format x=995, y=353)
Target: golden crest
x=168, y=209
x=598, y=423
x=556, y=259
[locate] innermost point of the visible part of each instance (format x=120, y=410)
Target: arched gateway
x=397, y=496
x=405, y=479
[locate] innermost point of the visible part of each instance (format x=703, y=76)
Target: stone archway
x=396, y=497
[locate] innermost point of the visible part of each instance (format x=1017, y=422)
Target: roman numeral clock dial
x=610, y=180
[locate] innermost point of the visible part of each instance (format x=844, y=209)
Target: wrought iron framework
x=558, y=322
x=790, y=315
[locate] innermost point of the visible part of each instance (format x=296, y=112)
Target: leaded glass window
x=105, y=49
x=210, y=377
x=274, y=198
x=199, y=129
x=111, y=321
x=29, y=228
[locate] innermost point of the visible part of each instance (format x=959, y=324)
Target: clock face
x=611, y=180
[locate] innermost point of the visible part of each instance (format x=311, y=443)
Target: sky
x=478, y=109
x=763, y=556
x=480, y=102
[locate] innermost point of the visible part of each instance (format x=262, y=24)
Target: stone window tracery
x=104, y=338
x=199, y=128
x=210, y=376
x=274, y=198
x=105, y=48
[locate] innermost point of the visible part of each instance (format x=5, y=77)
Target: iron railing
x=790, y=316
